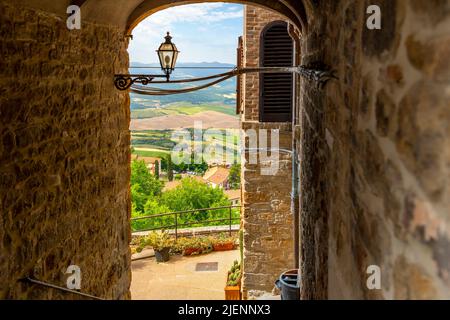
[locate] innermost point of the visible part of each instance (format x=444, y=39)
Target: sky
x=206, y=32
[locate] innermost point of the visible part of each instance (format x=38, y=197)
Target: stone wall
x=375, y=150
x=266, y=213
x=64, y=156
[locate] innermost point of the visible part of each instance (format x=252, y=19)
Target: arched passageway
x=372, y=147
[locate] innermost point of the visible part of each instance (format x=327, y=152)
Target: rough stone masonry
x=375, y=151
x=373, y=147
x=267, y=219
x=64, y=156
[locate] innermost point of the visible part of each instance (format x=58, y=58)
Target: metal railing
x=53, y=286
x=177, y=225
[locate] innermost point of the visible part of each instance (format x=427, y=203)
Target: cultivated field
x=209, y=119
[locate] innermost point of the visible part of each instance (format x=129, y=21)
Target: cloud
x=199, y=13
x=202, y=32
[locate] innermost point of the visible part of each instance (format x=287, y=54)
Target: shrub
x=201, y=245
x=224, y=239
x=158, y=240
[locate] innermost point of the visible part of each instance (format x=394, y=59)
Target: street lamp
x=167, y=54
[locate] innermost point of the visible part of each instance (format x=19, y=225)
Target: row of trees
x=148, y=199
x=198, y=168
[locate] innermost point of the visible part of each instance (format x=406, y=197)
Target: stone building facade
x=267, y=219
x=372, y=147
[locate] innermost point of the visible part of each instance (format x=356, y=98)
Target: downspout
x=295, y=195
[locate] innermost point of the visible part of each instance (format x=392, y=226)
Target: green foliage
x=158, y=240
x=138, y=199
x=148, y=199
x=223, y=238
x=198, y=168
x=169, y=169
x=157, y=169
x=235, y=176
x=151, y=153
x=184, y=107
x=141, y=176
x=161, y=239
x=202, y=244
x=144, y=188
x=234, y=275
x=191, y=195
x=152, y=207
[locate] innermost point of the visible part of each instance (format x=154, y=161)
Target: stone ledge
x=282, y=126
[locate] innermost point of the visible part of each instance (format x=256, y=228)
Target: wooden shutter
x=276, y=89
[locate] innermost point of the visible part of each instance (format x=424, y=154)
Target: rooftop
x=217, y=175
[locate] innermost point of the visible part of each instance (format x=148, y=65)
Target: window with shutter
x=276, y=89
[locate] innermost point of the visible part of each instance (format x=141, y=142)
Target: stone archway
x=266, y=227
x=373, y=148
x=66, y=198
x=128, y=16
x=295, y=14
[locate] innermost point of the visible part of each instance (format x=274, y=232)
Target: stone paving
x=178, y=280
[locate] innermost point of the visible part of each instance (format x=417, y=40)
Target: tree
x=152, y=207
x=198, y=168
x=234, y=178
x=144, y=185
x=192, y=194
x=138, y=199
x=169, y=169
x=157, y=169
x=140, y=175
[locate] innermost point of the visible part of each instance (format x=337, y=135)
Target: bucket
x=289, y=285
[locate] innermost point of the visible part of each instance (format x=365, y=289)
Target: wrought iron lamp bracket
x=316, y=72
x=125, y=81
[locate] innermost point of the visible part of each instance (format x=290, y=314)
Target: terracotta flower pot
x=223, y=246
x=233, y=293
x=191, y=251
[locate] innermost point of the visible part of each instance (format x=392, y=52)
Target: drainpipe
x=295, y=202
x=295, y=195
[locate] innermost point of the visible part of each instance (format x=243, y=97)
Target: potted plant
x=193, y=246
x=189, y=246
x=233, y=287
x=161, y=242
x=224, y=243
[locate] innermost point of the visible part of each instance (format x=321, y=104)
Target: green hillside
x=220, y=97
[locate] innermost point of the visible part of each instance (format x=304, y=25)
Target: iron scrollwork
x=124, y=82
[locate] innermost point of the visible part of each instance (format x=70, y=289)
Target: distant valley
x=153, y=118
x=222, y=95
